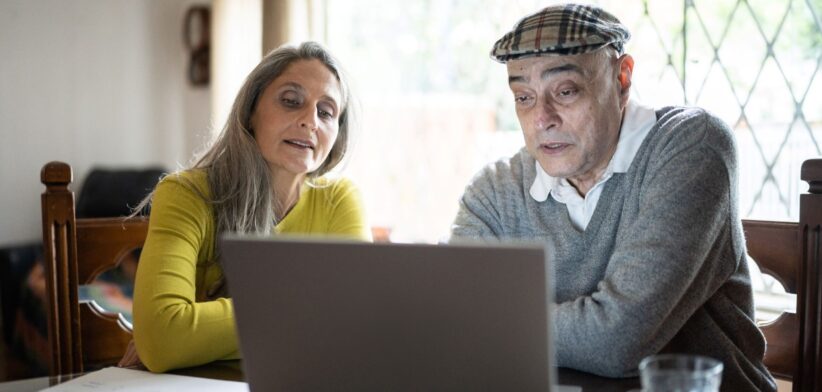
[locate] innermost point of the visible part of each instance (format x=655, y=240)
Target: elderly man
x=639, y=205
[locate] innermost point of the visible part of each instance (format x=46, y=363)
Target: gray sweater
x=661, y=266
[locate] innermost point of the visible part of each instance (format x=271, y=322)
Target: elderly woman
x=288, y=126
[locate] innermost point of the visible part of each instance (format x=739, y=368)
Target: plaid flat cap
x=559, y=30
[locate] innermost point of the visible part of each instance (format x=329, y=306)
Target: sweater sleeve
x=171, y=329
x=667, y=265
x=347, y=213
x=478, y=216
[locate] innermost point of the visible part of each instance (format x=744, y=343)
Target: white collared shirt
x=636, y=124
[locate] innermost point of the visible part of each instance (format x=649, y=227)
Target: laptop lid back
x=325, y=315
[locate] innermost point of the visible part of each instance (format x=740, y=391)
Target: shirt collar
x=636, y=124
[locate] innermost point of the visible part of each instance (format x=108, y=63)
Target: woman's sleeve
x=347, y=214
x=171, y=329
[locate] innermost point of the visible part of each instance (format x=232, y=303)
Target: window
x=437, y=109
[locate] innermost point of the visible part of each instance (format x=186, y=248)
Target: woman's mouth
x=300, y=143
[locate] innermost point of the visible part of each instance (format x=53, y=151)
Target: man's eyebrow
x=516, y=79
x=549, y=72
x=562, y=68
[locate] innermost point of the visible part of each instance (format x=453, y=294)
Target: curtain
x=244, y=30
x=292, y=22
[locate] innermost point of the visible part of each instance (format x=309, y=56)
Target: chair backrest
x=82, y=336
x=108, y=192
x=790, y=252
x=775, y=248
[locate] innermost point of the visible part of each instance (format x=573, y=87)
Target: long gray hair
x=239, y=178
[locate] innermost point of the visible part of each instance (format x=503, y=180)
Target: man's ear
x=626, y=69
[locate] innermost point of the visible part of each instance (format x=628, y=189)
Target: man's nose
x=547, y=116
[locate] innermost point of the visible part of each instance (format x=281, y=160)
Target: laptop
x=328, y=315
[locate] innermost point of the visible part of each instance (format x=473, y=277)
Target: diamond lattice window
x=423, y=74
x=754, y=63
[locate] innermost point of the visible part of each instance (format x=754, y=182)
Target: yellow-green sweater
x=174, y=325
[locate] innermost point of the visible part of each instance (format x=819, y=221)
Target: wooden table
x=590, y=382
x=232, y=370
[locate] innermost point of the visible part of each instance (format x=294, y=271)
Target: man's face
x=570, y=111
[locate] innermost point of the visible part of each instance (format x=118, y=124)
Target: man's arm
x=472, y=221
x=478, y=216
x=673, y=259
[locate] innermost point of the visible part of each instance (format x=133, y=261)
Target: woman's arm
x=171, y=329
x=347, y=213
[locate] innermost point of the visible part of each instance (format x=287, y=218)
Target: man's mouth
x=553, y=147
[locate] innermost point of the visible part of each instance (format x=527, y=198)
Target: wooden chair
x=82, y=336
x=790, y=252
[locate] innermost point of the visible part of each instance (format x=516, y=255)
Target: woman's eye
x=290, y=99
x=324, y=113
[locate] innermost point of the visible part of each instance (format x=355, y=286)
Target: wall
x=90, y=82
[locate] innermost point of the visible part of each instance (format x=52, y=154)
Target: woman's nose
x=308, y=119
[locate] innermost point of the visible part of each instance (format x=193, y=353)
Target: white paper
x=119, y=379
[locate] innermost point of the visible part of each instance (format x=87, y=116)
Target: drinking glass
x=680, y=373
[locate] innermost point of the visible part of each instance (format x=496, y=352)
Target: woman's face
x=296, y=119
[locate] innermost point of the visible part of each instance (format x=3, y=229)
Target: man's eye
x=522, y=99
x=289, y=101
x=568, y=92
